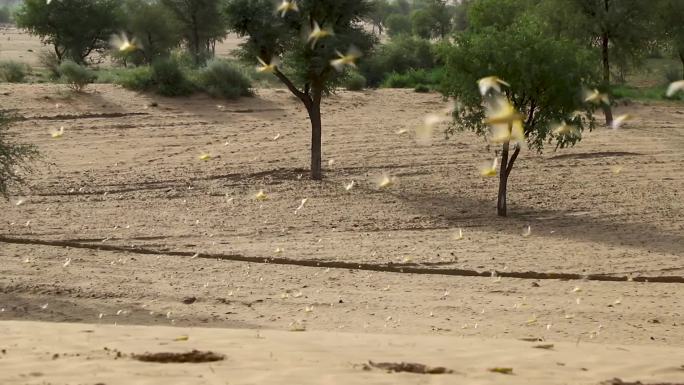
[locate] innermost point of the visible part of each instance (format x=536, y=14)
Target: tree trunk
x=681, y=57
x=501, y=207
x=315, y=117
x=606, y=76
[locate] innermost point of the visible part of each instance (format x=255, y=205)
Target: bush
x=413, y=78
x=401, y=54
x=169, y=79
x=224, y=79
x=12, y=71
x=672, y=75
x=398, y=24
x=355, y=82
x=422, y=89
x=49, y=60
x=136, y=79
x=76, y=76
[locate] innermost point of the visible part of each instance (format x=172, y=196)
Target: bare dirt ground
x=126, y=177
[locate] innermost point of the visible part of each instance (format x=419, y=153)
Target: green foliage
x=76, y=76
x=5, y=15
x=201, y=23
x=400, y=55
x=136, y=79
x=670, y=21
x=50, y=61
x=169, y=79
x=414, y=78
x=380, y=10
x=12, y=71
x=270, y=35
x=497, y=14
x=546, y=76
x=422, y=89
x=154, y=26
x=398, y=24
x=421, y=24
x=658, y=92
x=75, y=28
x=14, y=158
x=224, y=79
x=355, y=82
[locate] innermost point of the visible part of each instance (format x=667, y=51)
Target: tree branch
x=509, y=166
x=301, y=95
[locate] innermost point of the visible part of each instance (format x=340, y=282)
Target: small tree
x=310, y=74
x=380, y=11
x=619, y=29
x=75, y=28
x=14, y=158
x=545, y=75
x=398, y=24
x=154, y=26
x=202, y=24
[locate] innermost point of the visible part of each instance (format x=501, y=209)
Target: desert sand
x=40, y=353
x=123, y=224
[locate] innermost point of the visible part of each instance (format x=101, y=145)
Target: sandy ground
x=124, y=197
x=40, y=353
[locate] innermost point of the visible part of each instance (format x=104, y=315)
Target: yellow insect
x=261, y=196
x=349, y=186
x=267, y=68
x=527, y=232
x=349, y=59
x=675, y=87
x=56, y=134
x=287, y=6
x=620, y=120
x=459, y=235
x=565, y=129
x=122, y=44
x=386, y=182
x=596, y=97
x=204, y=157
x=501, y=111
x=489, y=169
x=317, y=34
x=489, y=83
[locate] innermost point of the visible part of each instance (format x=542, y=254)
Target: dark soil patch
x=194, y=357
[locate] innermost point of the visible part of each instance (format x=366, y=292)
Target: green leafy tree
x=422, y=23
x=380, y=11
x=306, y=68
x=620, y=29
x=154, y=26
x=202, y=24
x=545, y=76
x=398, y=24
x=75, y=28
x=670, y=15
x=14, y=158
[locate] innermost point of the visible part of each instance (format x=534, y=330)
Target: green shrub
x=355, y=82
x=12, y=71
x=672, y=75
x=398, y=24
x=49, y=60
x=136, y=79
x=224, y=79
x=76, y=76
x=413, y=78
x=401, y=54
x=169, y=79
x=422, y=89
